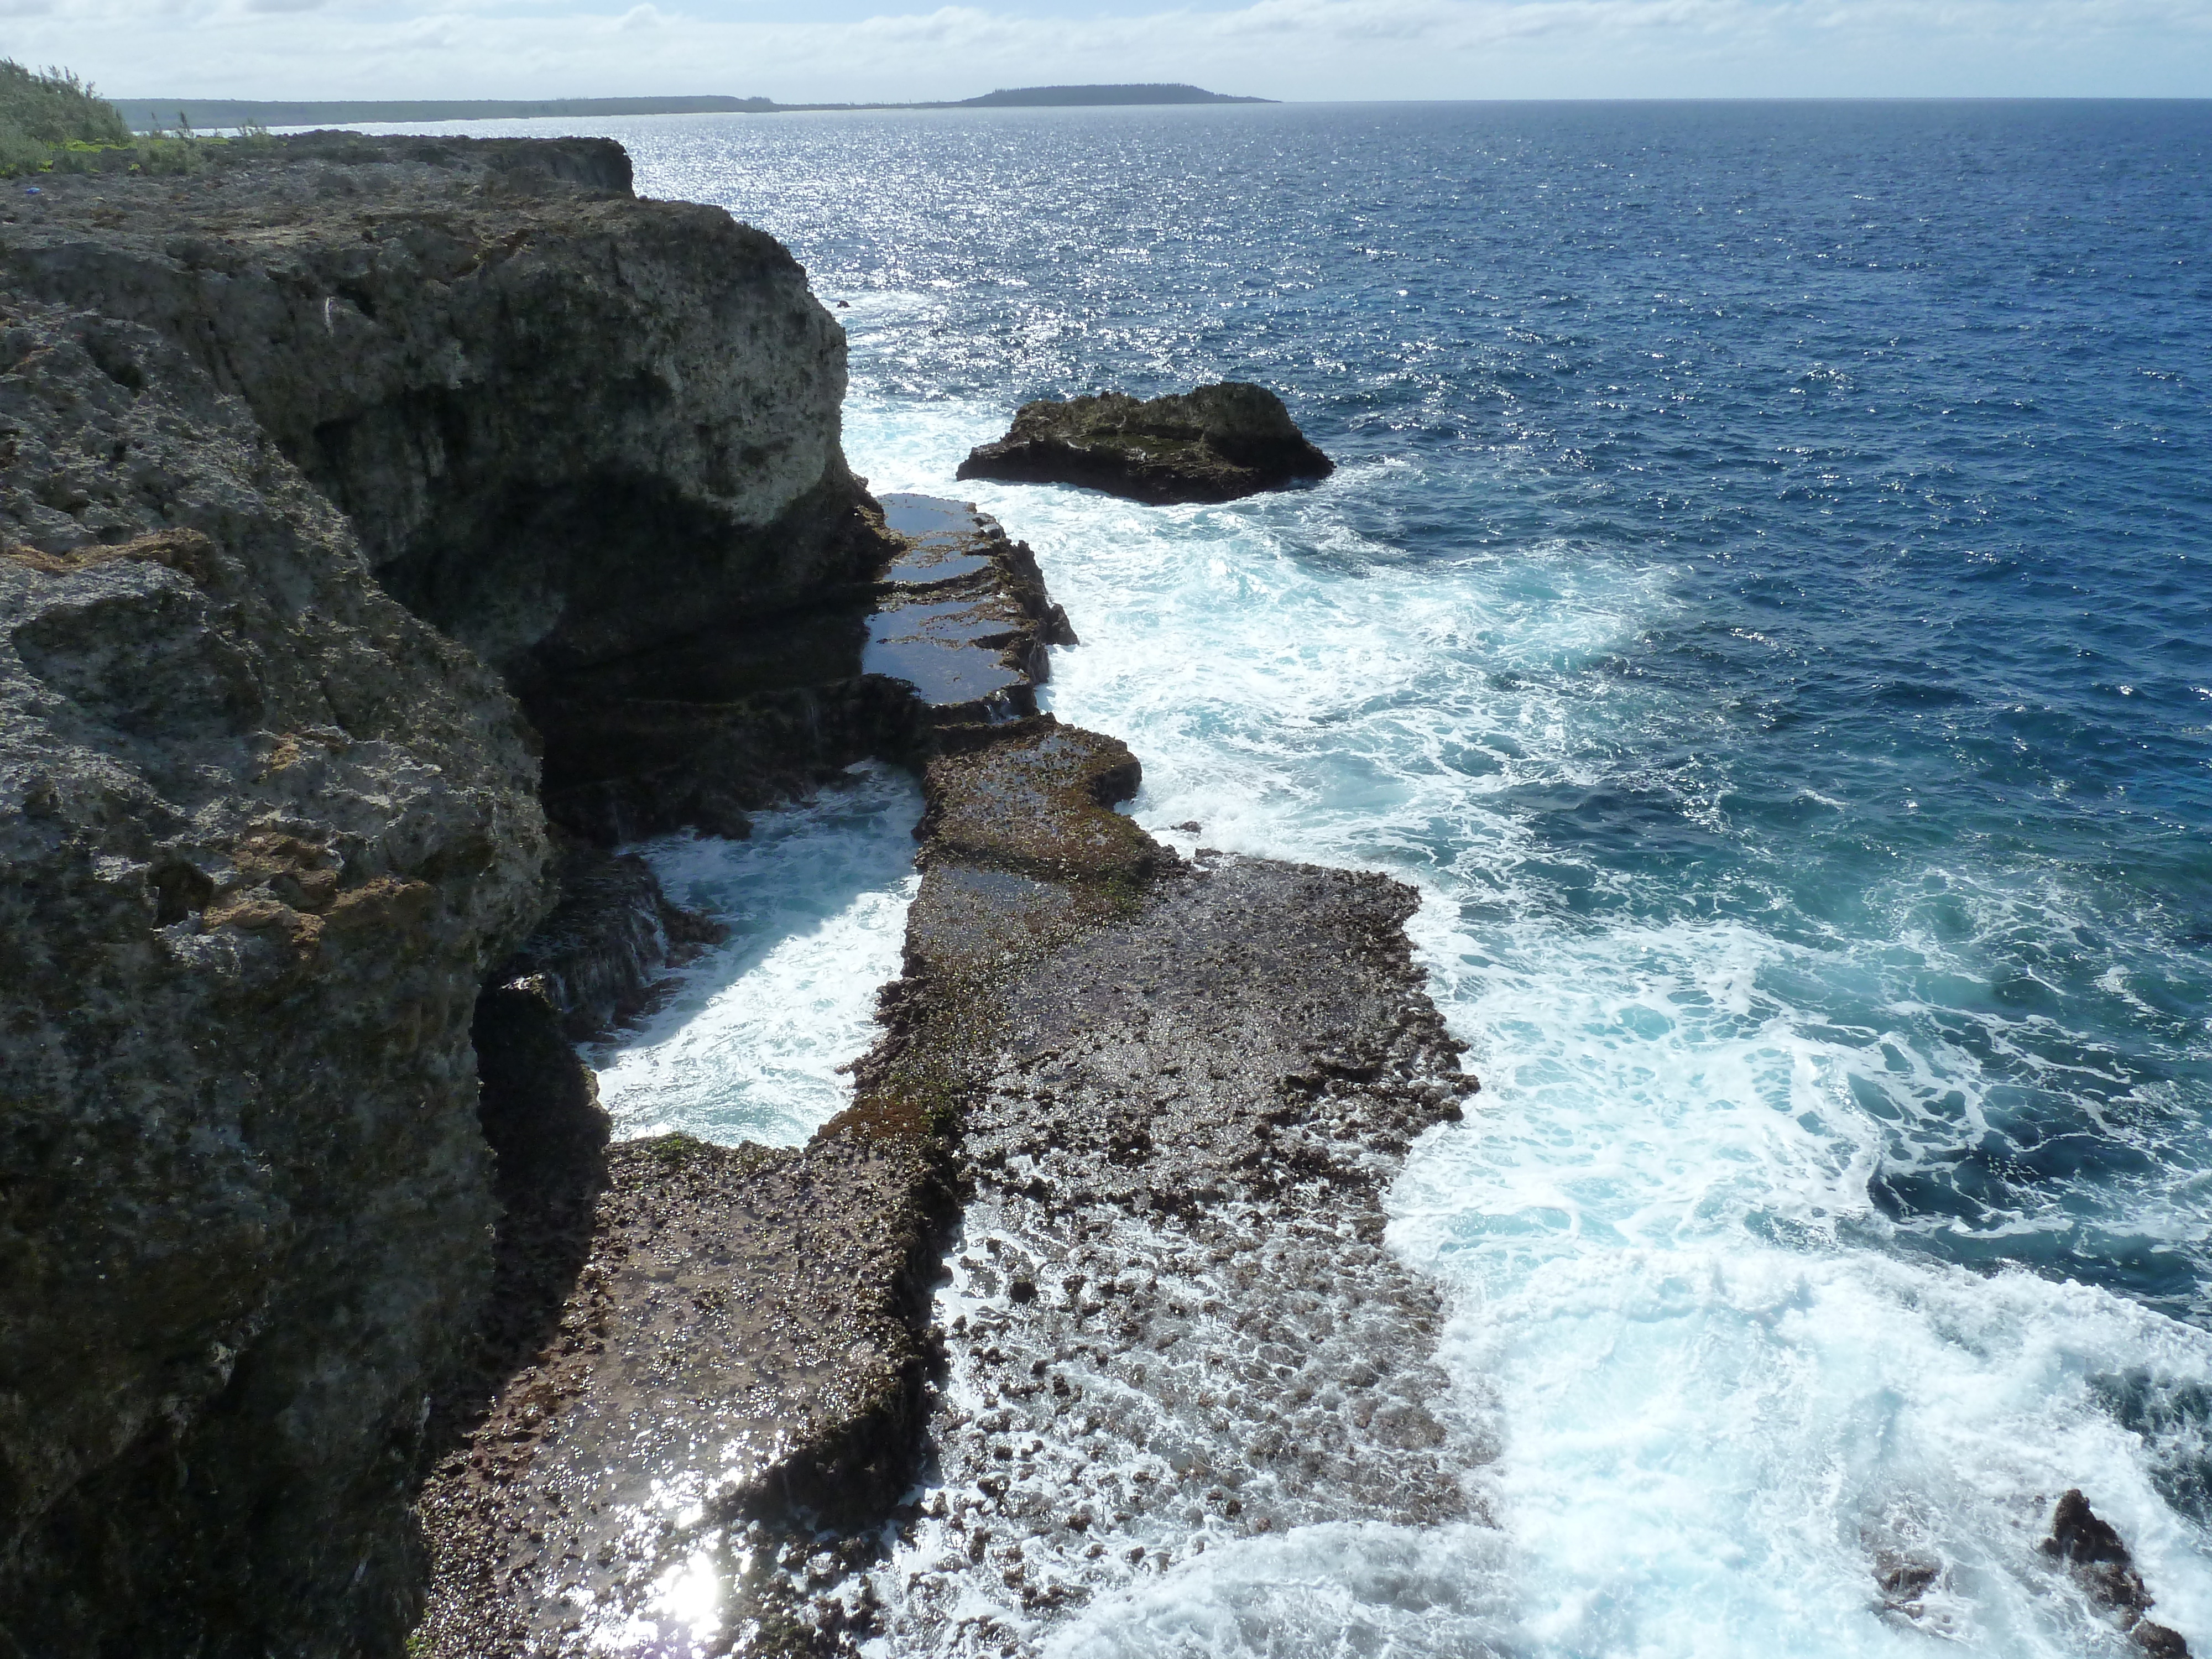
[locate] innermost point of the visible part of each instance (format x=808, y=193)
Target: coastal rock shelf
x=1171, y=1320
x=389, y=529
x=1172, y=1094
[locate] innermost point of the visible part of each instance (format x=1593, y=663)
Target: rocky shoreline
x=391, y=527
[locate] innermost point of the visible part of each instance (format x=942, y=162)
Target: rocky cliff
x=263, y=832
x=365, y=505
x=325, y=476
x=571, y=428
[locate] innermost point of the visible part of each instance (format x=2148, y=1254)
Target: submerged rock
x=1214, y=443
x=2106, y=1569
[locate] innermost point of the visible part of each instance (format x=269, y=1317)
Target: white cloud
x=1281, y=48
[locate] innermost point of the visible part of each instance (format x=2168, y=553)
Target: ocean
x=1764, y=606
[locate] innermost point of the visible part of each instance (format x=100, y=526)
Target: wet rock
x=740, y=1348
x=600, y=957
x=2105, y=1568
x=1214, y=443
x=262, y=834
x=962, y=614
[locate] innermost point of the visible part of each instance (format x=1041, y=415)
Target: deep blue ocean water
x=1766, y=605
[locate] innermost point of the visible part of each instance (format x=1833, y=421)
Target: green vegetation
x=52, y=122
x=153, y=114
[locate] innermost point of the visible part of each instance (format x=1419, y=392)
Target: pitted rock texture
x=1214, y=443
x=743, y=1339
x=1170, y=1319
x=592, y=438
x=263, y=833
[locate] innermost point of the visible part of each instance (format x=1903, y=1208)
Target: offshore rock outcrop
x=594, y=439
x=1214, y=443
x=263, y=832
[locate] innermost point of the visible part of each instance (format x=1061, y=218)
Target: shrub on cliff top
x=51, y=121
x=54, y=106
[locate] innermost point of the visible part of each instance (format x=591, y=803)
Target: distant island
x=1148, y=92
x=168, y=114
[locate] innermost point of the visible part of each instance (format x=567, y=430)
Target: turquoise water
x=1765, y=606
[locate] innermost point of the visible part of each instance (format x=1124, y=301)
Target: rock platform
x=1166, y=1095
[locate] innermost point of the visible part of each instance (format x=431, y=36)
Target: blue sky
x=835, y=50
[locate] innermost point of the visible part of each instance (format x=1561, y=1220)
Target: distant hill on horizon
x=148, y=114
x=1146, y=91
x=207, y=114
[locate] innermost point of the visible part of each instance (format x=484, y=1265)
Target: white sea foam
x=749, y=1046
x=1730, y=1386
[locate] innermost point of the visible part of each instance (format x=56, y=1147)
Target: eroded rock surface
x=594, y=439
x=1171, y=1321
x=262, y=834
x=743, y=1339
x=1214, y=443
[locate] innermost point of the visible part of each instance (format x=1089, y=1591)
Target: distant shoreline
x=164, y=114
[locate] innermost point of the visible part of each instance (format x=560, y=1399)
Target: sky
x=822, y=51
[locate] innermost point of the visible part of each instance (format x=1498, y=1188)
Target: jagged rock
x=598, y=959
x=1214, y=443
x=2103, y=1565
x=262, y=834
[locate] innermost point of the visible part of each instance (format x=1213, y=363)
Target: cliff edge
x=263, y=832
x=571, y=428
x=355, y=496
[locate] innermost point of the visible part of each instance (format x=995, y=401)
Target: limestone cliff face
x=262, y=834
x=569, y=426
x=324, y=475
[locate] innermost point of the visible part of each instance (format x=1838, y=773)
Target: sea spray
x=1761, y=604
x=748, y=1044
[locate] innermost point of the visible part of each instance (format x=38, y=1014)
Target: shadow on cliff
x=541, y=1116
